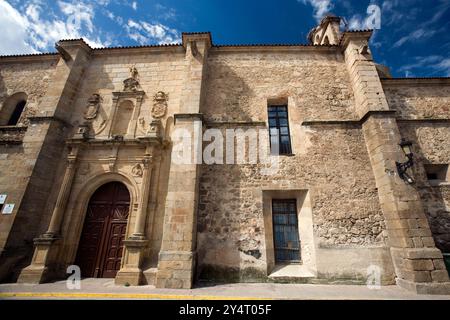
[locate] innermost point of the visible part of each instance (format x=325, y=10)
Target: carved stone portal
x=160, y=105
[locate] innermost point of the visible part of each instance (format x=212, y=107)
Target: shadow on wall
x=3, y=91
x=230, y=224
x=434, y=197
x=39, y=198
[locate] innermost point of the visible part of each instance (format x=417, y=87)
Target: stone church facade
x=88, y=175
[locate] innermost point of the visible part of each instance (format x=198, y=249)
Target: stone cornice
x=213, y=124
x=275, y=48
x=140, y=141
x=356, y=34
x=47, y=118
x=196, y=36
x=139, y=50
x=358, y=123
x=424, y=120
x=32, y=58
x=438, y=81
x=188, y=116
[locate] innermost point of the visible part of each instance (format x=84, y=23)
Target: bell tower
x=327, y=32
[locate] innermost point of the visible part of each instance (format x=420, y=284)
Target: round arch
x=80, y=201
x=10, y=105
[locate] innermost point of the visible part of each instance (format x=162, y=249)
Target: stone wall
x=419, y=101
x=239, y=84
x=18, y=159
x=431, y=147
x=157, y=71
x=329, y=161
x=230, y=222
x=426, y=104
x=32, y=78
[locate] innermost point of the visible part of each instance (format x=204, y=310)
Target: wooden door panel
x=88, y=249
x=101, y=243
x=114, y=249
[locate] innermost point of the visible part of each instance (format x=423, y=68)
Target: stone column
x=57, y=105
x=131, y=272
x=46, y=246
x=139, y=227
x=63, y=196
x=418, y=263
x=178, y=250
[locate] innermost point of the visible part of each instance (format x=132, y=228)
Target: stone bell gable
x=90, y=177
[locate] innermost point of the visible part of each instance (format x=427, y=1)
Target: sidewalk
x=105, y=289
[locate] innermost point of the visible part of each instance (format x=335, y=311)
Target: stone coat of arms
x=159, y=109
x=92, y=107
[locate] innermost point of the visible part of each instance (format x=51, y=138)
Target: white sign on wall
x=8, y=208
x=2, y=198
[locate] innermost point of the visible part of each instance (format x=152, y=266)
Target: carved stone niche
x=129, y=101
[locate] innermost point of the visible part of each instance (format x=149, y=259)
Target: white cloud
x=78, y=13
x=418, y=34
x=321, y=7
x=14, y=31
x=38, y=28
x=148, y=33
x=434, y=64
x=134, y=5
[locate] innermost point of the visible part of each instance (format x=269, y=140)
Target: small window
x=436, y=172
x=15, y=117
x=326, y=41
x=280, y=139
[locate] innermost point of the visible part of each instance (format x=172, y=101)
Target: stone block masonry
x=100, y=116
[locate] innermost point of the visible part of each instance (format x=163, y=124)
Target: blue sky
x=414, y=38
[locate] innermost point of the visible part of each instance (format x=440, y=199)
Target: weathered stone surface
x=118, y=108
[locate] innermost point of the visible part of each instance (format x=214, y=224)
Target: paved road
x=105, y=289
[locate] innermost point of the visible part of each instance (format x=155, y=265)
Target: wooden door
x=101, y=244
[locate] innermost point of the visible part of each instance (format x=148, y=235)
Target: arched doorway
x=101, y=244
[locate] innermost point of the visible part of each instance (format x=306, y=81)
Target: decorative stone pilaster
x=418, y=263
x=131, y=272
x=139, y=227
x=178, y=250
x=43, y=263
x=63, y=196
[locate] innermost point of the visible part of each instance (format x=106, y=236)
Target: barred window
x=285, y=231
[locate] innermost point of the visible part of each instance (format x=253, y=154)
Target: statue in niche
x=160, y=105
x=131, y=84
x=92, y=107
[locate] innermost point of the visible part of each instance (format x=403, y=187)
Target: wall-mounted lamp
x=403, y=167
